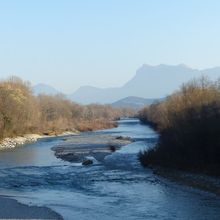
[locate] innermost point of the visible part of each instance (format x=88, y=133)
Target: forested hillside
x=21, y=112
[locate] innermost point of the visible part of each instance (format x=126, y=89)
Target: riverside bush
x=188, y=122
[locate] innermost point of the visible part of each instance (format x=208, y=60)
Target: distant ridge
x=133, y=102
x=44, y=89
x=148, y=82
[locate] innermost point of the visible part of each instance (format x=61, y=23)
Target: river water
x=118, y=188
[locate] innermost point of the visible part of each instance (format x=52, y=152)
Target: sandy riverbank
x=11, y=209
x=98, y=146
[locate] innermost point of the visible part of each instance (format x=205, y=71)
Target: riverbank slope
x=11, y=209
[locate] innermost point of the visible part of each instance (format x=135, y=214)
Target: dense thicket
x=189, y=125
x=21, y=112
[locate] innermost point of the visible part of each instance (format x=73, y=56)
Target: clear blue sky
x=102, y=42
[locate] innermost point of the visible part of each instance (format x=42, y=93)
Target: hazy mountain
x=149, y=82
x=133, y=102
x=44, y=89
x=89, y=94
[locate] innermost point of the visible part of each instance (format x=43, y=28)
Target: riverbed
x=116, y=188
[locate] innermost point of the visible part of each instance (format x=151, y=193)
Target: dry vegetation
x=189, y=125
x=21, y=112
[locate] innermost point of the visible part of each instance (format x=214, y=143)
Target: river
x=118, y=188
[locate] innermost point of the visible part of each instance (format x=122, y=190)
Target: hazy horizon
x=70, y=44
x=126, y=80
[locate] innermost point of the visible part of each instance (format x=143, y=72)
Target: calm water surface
x=119, y=188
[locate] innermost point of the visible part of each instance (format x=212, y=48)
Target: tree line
x=188, y=122
x=21, y=112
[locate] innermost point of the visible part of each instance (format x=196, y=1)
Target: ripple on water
x=117, y=189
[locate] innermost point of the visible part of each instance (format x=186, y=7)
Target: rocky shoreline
x=13, y=142
x=10, y=143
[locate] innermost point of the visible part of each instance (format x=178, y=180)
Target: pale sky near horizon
x=71, y=43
